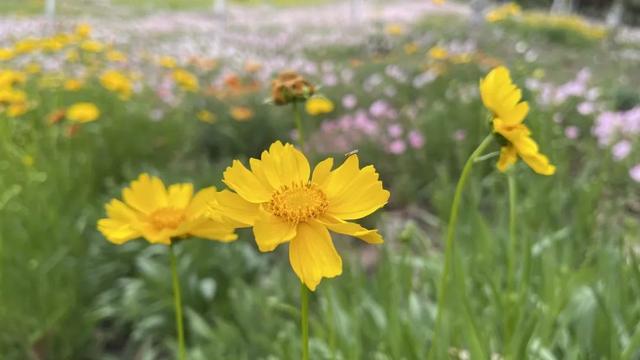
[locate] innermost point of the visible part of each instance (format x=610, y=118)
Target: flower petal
x=179, y=195
x=321, y=171
x=234, y=207
x=121, y=224
x=212, y=230
x=313, y=256
x=271, y=231
x=353, y=229
x=284, y=165
x=146, y=194
x=245, y=183
x=508, y=157
x=539, y=163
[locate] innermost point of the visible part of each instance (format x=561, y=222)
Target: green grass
x=69, y=294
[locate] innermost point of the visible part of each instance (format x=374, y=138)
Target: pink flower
x=572, y=132
x=349, y=101
x=621, y=150
x=397, y=147
x=586, y=108
x=459, y=135
x=634, y=172
x=395, y=130
x=416, y=140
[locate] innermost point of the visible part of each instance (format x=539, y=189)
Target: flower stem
x=449, y=249
x=304, y=320
x=177, y=302
x=298, y=119
x=512, y=231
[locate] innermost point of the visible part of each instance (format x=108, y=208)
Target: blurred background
x=180, y=86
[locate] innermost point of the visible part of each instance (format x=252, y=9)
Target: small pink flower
x=586, y=108
x=572, y=132
x=459, y=135
x=621, y=150
x=634, y=172
x=397, y=147
x=349, y=101
x=395, y=130
x=416, y=140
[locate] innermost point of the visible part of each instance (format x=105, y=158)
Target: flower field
x=406, y=181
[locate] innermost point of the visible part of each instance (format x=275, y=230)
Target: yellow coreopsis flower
x=83, y=30
x=92, y=46
x=241, y=113
x=318, y=105
x=394, y=29
x=82, y=112
x=117, y=82
x=284, y=202
x=6, y=54
x=438, y=53
x=168, y=62
x=502, y=97
x=72, y=85
x=116, y=56
x=206, y=116
x=161, y=215
x=186, y=80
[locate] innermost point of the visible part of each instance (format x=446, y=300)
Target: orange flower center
x=298, y=203
x=166, y=218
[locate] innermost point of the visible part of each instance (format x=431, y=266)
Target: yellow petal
x=236, y=208
x=313, y=256
x=212, y=230
x=146, y=194
x=271, y=231
x=179, y=195
x=353, y=229
x=322, y=171
x=508, y=157
x=517, y=114
x=539, y=163
x=245, y=183
x=354, y=193
x=121, y=224
x=201, y=202
x=284, y=165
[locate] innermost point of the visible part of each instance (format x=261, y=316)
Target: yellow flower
x=394, y=29
x=206, y=117
x=83, y=112
x=318, y=105
x=6, y=54
x=167, y=62
x=410, y=48
x=72, y=55
x=186, y=80
x=72, y=85
x=17, y=109
x=161, y=215
x=28, y=160
x=116, y=56
x=502, y=98
x=502, y=12
x=241, y=113
x=284, y=202
x=83, y=30
x=33, y=68
x=438, y=53
x=438, y=2
x=117, y=82
x=92, y=46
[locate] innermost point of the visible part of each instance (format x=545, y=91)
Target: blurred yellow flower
x=162, y=215
x=72, y=85
x=26, y=45
x=83, y=30
x=167, y=62
x=33, y=68
x=438, y=2
x=116, y=56
x=503, y=12
x=186, y=80
x=318, y=105
x=72, y=55
x=92, y=46
x=241, y=113
x=117, y=82
x=82, y=112
x=438, y=53
x=502, y=98
x=284, y=202
x=410, y=48
x=394, y=29
x=6, y=54
x=17, y=109
x=206, y=117
x=28, y=160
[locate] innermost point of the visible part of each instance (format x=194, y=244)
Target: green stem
x=304, y=320
x=512, y=231
x=298, y=119
x=451, y=230
x=177, y=302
